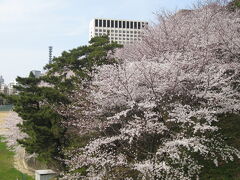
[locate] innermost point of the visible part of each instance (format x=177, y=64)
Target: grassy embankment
x=7, y=170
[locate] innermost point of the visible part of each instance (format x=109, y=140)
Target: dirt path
x=3, y=116
x=20, y=155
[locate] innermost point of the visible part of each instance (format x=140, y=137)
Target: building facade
x=120, y=31
x=36, y=73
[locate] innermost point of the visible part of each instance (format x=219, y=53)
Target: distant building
x=8, y=89
x=120, y=31
x=11, y=89
x=1, y=81
x=2, y=87
x=36, y=73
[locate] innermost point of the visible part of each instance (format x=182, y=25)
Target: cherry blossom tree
x=10, y=131
x=157, y=107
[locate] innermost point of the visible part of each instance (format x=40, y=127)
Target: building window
x=112, y=23
x=96, y=30
x=139, y=25
x=127, y=24
x=116, y=31
x=131, y=25
x=104, y=30
x=104, y=23
x=124, y=24
x=116, y=24
x=135, y=25
x=120, y=24
x=108, y=23
x=96, y=22
x=100, y=23
x=100, y=30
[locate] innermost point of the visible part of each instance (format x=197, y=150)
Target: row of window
x=127, y=39
x=123, y=42
x=119, y=24
x=116, y=31
x=124, y=35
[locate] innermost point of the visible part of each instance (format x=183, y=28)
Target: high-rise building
x=120, y=31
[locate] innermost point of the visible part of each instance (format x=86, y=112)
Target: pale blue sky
x=28, y=27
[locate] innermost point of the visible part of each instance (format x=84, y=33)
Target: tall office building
x=120, y=31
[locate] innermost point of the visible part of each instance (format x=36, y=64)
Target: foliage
x=41, y=102
x=3, y=99
x=234, y=5
x=229, y=124
x=45, y=136
x=158, y=107
x=74, y=71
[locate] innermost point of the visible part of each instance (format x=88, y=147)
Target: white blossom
x=161, y=99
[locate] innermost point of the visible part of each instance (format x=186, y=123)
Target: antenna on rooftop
x=50, y=54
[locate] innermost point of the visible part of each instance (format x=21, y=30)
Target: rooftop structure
x=36, y=73
x=120, y=31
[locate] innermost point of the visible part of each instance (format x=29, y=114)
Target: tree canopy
x=39, y=100
x=156, y=109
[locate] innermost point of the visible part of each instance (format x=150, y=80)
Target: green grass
x=7, y=171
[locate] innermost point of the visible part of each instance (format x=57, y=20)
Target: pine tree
x=39, y=100
x=45, y=135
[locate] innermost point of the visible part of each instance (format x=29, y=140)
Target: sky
x=29, y=27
